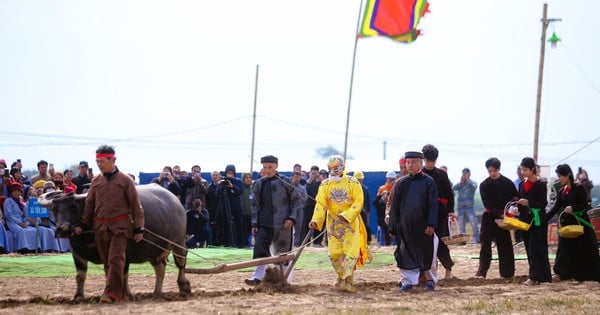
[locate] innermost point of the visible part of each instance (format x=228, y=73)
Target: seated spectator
x=4, y=247
x=167, y=181
x=38, y=187
x=198, y=225
x=4, y=181
x=48, y=223
x=15, y=211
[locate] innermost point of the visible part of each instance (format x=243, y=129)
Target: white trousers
x=411, y=276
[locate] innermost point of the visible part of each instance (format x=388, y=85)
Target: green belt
x=536, y=216
x=579, y=216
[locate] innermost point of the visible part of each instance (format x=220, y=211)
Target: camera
x=224, y=182
x=6, y=172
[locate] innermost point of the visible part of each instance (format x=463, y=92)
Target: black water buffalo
x=164, y=216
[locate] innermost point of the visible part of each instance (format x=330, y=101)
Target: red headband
x=104, y=155
x=402, y=161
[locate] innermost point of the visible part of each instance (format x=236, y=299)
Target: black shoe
x=252, y=282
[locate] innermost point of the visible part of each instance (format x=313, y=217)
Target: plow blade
x=241, y=265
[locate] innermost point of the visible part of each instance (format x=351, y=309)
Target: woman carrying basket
x=532, y=204
x=576, y=258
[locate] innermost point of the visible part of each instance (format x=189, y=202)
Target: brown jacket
x=113, y=202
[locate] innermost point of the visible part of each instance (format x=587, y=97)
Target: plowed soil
x=312, y=292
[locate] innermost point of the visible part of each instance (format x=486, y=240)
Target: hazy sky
x=172, y=82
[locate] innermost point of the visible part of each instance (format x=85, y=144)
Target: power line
x=577, y=151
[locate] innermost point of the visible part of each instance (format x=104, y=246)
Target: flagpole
x=352, y=80
x=254, y=121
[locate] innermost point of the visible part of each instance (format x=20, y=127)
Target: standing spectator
x=16, y=176
x=380, y=205
x=445, y=204
x=114, y=220
x=297, y=168
x=185, y=183
x=519, y=178
x=366, y=211
x=19, y=165
x=212, y=202
x=518, y=234
x=496, y=191
x=389, y=181
x=576, y=258
x=412, y=219
x=42, y=172
x=198, y=225
x=200, y=188
x=22, y=229
x=167, y=181
x=312, y=187
x=82, y=178
x=58, y=179
x=533, y=200
x=323, y=174
x=302, y=197
x=338, y=205
x=402, y=163
x=229, y=214
x=68, y=181
x=465, y=204
x=274, y=212
x=403, y=172
x=247, y=198
x=586, y=183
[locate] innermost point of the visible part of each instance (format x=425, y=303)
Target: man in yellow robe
x=338, y=204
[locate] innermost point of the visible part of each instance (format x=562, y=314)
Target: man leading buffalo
x=113, y=209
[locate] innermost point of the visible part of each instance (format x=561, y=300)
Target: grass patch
x=476, y=305
x=562, y=302
x=62, y=265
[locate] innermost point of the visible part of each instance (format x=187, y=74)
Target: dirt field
x=312, y=293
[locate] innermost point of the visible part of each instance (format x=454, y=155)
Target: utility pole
x=253, y=122
x=536, y=137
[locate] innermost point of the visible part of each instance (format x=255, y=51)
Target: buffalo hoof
x=157, y=296
x=185, y=288
x=78, y=299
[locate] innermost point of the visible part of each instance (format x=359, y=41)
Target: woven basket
x=569, y=231
x=510, y=223
x=456, y=239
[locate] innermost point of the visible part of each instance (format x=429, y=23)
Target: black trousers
x=280, y=238
x=506, y=258
x=443, y=254
x=536, y=245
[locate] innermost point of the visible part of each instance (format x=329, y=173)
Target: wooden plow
x=280, y=259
